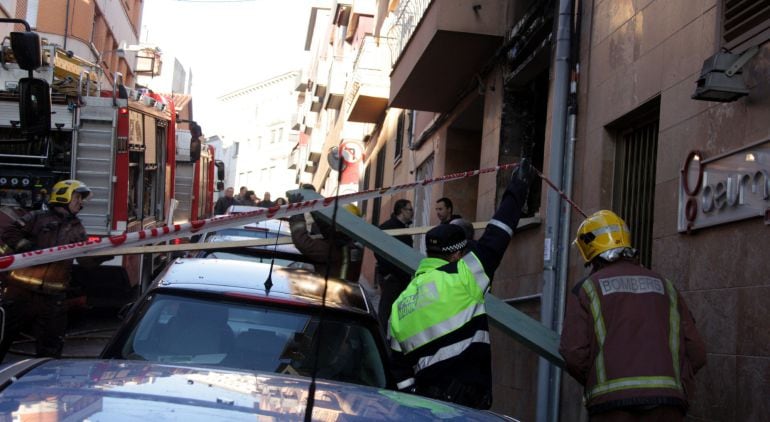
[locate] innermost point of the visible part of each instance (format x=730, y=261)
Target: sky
x=227, y=44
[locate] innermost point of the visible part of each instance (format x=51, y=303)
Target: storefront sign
x=730, y=187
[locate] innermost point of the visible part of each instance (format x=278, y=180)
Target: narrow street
x=88, y=333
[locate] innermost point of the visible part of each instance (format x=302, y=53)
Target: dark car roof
x=122, y=390
x=237, y=277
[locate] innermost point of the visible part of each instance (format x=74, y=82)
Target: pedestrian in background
x=266, y=202
x=223, y=203
x=391, y=279
x=241, y=198
x=36, y=294
x=445, y=211
x=439, y=331
x=628, y=335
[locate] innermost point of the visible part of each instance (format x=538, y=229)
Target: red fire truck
x=120, y=143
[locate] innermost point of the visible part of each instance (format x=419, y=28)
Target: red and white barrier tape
x=160, y=234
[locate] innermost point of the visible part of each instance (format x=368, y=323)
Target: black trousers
x=390, y=288
x=46, y=312
x=454, y=391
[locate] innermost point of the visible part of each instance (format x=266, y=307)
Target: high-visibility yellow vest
x=436, y=303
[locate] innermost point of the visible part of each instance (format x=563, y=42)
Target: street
x=88, y=332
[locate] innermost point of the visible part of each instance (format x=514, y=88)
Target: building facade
x=261, y=136
x=613, y=102
x=92, y=30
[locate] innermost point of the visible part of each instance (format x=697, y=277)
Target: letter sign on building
x=730, y=187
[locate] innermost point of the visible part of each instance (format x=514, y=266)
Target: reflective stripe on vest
x=603, y=385
x=475, y=267
x=448, y=352
x=444, y=327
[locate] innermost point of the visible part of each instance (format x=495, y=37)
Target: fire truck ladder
x=93, y=155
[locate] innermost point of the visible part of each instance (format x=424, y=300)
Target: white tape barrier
x=160, y=234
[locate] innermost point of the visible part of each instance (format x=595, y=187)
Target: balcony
x=367, y=93
x=438, y=47
x=337, y=82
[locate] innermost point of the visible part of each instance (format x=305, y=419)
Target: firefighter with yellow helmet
x=36, y=294
x=628, y=335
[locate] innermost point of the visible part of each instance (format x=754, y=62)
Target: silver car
x=112, y=390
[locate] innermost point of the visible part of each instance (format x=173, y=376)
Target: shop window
x=745, y=23
x=634, y=181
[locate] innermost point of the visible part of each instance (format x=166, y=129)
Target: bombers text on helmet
x=61, y=193
x=600, y=232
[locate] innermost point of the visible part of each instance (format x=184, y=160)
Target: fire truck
x=120, y=143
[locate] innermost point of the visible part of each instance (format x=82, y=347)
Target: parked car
x=242, y=315
x=111, y=390
x=285, y=255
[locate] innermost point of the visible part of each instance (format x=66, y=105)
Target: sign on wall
x=726, y=188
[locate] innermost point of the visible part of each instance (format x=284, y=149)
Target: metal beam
x=529, y=332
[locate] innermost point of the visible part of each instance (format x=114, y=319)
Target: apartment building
x=625, y=105
x=262, y=117
x=101, y=31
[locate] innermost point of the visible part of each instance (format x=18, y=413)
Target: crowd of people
x=244, y=197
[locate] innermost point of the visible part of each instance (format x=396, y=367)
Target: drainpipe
x=66, y=24
x=547, y=403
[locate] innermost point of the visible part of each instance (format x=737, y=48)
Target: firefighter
x=334, y=252
x=438, y=325
x=36, y=294
x=628, y=335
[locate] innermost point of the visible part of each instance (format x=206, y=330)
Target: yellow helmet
x=61, y=193
x=353, y=209
x=600, y=232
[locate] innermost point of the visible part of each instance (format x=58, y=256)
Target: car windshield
x=254, y=336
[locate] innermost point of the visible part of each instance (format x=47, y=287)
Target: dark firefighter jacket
x=42, y=229
x=438, y=326
x=342, y=256
x=630, y=339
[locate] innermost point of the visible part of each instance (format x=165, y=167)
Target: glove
x=295, y=197
x=523, y=172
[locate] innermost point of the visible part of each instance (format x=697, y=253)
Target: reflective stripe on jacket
x=626, y=335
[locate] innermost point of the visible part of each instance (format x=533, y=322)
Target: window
x=399, y=137
x=745, y=23
x=634, y=183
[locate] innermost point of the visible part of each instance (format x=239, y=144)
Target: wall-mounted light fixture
x=721, y=78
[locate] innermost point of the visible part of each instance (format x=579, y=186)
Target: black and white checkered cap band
x=454, y=248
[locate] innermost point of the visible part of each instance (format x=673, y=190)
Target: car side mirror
x=34, y=106
x=220, y=170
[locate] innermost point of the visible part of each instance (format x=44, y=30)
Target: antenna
x=316, y=348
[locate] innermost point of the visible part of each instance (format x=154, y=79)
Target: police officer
x=438, y=325
x=37, y=293
x=628, y=335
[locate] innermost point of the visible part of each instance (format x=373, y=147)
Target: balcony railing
x=408, y=15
